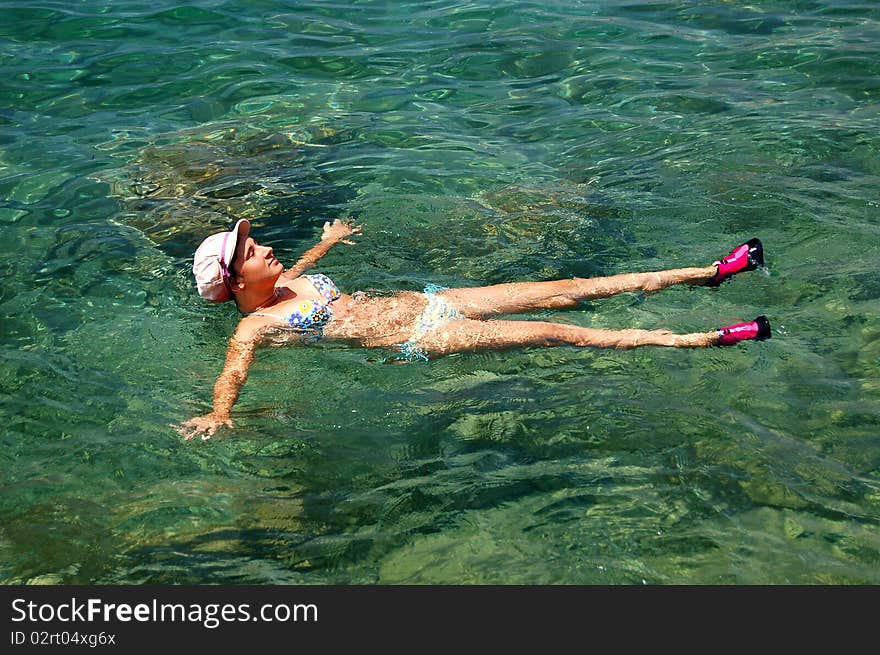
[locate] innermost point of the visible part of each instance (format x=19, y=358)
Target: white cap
x=212, y=260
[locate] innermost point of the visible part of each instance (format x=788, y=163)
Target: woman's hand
x=207, y=424
x=336, y=231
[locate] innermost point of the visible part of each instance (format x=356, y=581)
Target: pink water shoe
x=745, y=257
x=759, y=330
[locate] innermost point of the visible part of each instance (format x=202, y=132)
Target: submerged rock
x=185, y=185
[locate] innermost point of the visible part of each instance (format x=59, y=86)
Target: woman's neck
x=248, y=303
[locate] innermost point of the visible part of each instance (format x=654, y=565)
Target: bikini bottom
x=437, y=313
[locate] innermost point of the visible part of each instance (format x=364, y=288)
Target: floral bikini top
x=310, y=316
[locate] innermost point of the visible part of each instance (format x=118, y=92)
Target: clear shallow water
x=478, y=143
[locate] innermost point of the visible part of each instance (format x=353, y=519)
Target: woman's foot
x=758, y=330
x=745, y=257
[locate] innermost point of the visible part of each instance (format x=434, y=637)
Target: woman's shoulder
x=252, y=326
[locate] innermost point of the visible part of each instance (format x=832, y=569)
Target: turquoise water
x=478, y=143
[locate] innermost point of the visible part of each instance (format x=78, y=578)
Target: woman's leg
x=522, y=297
x=466, y=335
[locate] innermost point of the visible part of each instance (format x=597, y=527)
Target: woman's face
x=253, y=263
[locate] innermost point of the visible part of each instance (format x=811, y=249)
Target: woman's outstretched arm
x=239, y=356
x=333, y=233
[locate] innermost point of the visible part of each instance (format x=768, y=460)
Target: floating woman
x=285, y=304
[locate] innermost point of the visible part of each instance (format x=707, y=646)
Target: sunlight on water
x=477, y=144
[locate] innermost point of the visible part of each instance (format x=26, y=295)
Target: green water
x=478, y=143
